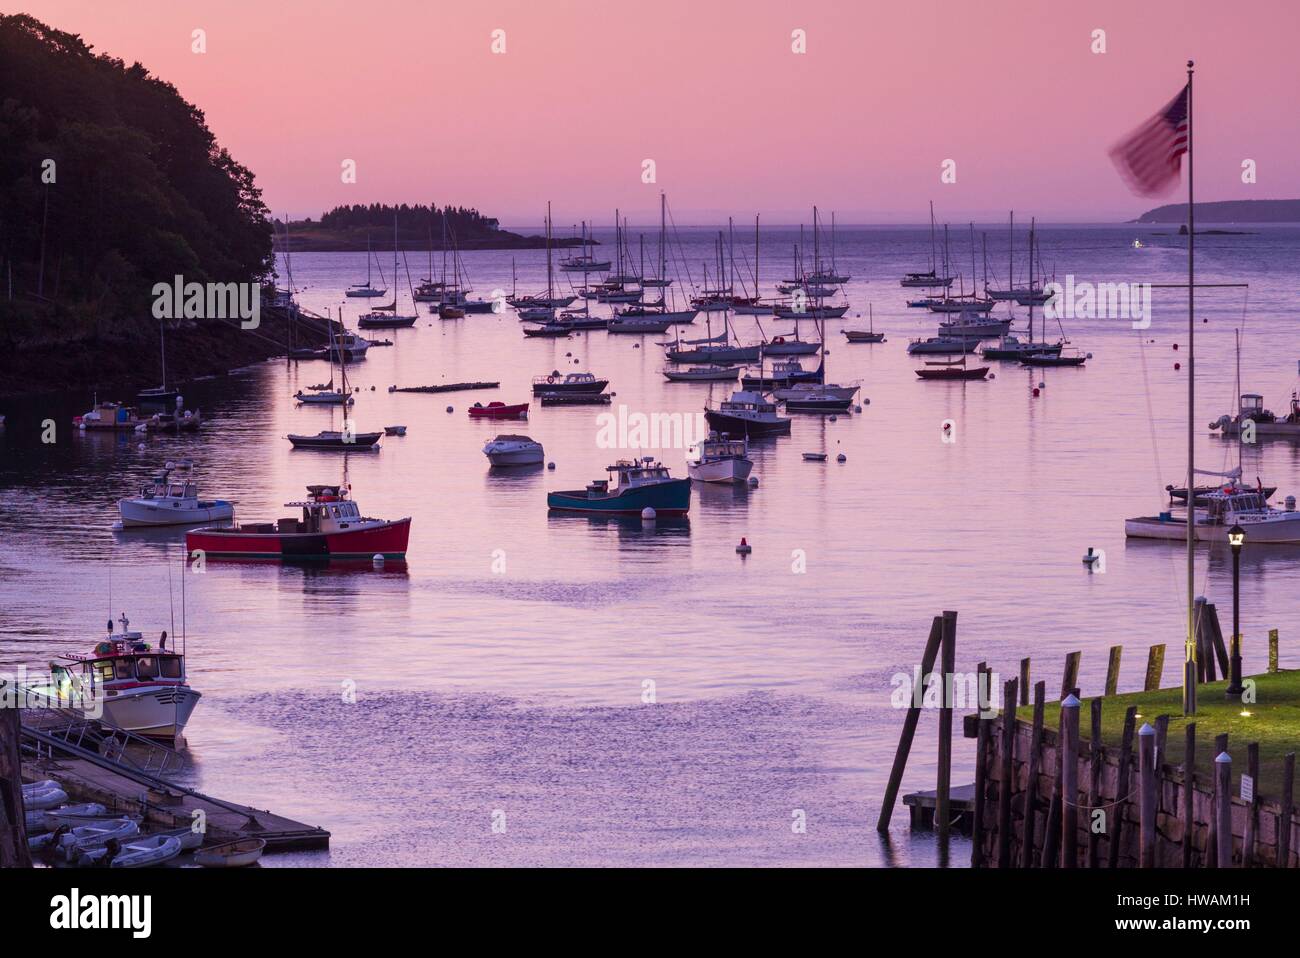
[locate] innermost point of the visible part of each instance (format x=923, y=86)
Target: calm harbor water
x=482, y=689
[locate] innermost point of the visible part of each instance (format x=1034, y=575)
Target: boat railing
x=54, y=723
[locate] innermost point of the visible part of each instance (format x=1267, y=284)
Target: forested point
x=111, y=182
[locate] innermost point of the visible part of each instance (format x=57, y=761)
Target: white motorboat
x=640, y=325
x=971, y=324
x=510, y=450
x=134, y=685
x=1229, y=506
x=806, y=390
x=942, y=345
x=172, y=499
x=719, y=459
x=1250, y=408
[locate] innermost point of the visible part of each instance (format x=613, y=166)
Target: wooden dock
x=85, y=781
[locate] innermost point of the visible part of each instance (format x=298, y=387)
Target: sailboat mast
x=1189, y=664
x=1011, y=256
x=549, y=294
x=934, y=252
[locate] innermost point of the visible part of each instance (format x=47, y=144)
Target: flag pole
x=1189, y=663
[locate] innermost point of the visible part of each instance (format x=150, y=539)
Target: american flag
x=1148, y=157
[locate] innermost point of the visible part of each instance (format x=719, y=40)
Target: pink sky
x=710, y=90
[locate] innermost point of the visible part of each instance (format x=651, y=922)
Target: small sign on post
x=1247, y=788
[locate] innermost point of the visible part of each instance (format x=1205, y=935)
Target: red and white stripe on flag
x=1148, y=157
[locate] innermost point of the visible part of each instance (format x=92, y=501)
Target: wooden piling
x=1204, y=663
x=1097, y=762
x=1212, y=841
x=1162, y=737
x=1008, y=772
x=1031, y=788
x=948, y=658
x=909, y=725
x=1223, y=809
x=13, y=821
x=1284, y=822
x=1116, y=817
x=1071, y=677
x=1215, y=633
x=1251, y=833
x=1155, y=668
x=1112, y=669
x=1069, y=744
x=977, y=858
x=1189, y=774
x=1024, y=681
x=1146, y=796
x=1272, y=650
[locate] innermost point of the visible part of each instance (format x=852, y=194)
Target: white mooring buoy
x=377, y=559
x=744, y=548
x=648, y=514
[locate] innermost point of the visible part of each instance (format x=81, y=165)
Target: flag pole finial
x=1190, y=64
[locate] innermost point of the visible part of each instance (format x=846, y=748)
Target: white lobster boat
x=139, y=688
x=1229, y=506
x=719, y=459
x=172, y=499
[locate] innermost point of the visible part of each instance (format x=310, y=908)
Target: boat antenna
x=171, y=598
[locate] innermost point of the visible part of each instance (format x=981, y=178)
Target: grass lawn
x=1273, y=721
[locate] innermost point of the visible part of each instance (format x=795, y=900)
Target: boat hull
x=142, y=513
x=1174, y=529
x=740, y=426
x=388, y=540
x=152, y=711
x=672, y=498
x=720, y=470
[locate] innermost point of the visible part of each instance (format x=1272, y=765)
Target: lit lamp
x=1236, y=539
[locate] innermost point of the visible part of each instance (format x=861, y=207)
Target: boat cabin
x=746, y=401
x=1251, y=406
x=175, y=481
x=327, y=509
x=123, y=658
x=1225, y=504
x=636, y=472
x=718, y=447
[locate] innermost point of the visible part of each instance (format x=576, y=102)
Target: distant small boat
x=640, y=325
x=394, y=430
x=1057, y=358
x=332, y=439
x=747, y=413
x=447, y=311
x=385, y=321
x=814, y=457
x=499, y=410
x=863, y=336
x=236, y=854
x=513, y=450
x=143, y=852
x=942, y=345
x=550, y=331
x=702, y=374
x=558, y=382
x=641, y=484
x=955, y=370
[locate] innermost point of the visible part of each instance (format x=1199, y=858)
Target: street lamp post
x=1236, y=538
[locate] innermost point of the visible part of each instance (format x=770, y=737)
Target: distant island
x=1226, y=211
x=419, y=227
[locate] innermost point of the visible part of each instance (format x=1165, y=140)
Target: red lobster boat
x=499, y=410
x=331, y=527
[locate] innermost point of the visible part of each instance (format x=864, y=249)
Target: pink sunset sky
x=711, y=91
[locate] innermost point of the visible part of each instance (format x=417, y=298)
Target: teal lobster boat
x=641, y=484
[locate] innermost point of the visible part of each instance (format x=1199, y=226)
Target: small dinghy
x=95, y=834
x=187, y=836
x=394, y=430
x=140, y=852
x=499, y=410
x=237, y=854
x=814, y=457
x=50, y=819
x=41, y=795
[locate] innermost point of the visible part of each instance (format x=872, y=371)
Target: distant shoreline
x=309, y=237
